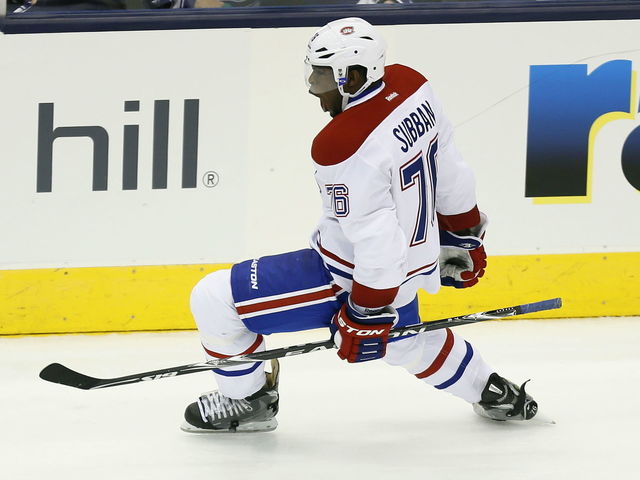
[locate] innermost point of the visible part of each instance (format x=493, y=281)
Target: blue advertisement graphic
x=631, y=158
x=564, y=103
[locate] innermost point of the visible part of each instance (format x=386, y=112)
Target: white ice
x=337, y=421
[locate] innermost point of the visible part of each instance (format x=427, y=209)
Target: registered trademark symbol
x=210, y=179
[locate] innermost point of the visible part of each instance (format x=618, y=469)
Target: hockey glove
x=361, y=337
x=462, y=257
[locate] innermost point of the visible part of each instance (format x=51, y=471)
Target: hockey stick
x=57, y=373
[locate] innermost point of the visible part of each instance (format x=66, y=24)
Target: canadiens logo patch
x=346, y=30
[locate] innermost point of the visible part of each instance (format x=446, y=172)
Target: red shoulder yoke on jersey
x=346, y=133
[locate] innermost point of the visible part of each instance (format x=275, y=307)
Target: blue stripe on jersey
x=340, y=273
x=428, y=272
x=370, y=89
x=461, y=368
x=238, y=373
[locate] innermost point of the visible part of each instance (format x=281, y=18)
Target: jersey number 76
x=413, y=174
x=339, y=194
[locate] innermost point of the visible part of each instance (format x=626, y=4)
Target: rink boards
x=157, y=297
x=138, y=165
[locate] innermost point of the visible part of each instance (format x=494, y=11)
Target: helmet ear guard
x=345, y=43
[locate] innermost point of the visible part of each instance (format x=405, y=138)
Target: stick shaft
x=57, y=373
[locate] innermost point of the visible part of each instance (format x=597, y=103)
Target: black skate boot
x=502, y=400
x=214, y=413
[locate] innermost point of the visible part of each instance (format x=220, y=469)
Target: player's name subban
x=415, y=126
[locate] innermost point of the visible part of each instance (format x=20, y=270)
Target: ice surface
x=366, y=421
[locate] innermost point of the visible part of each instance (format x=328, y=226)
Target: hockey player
x=399, y=214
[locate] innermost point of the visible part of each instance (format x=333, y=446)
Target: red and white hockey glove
x=462, y=257
x=359, y=336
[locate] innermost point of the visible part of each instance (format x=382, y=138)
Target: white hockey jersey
x=388, y=172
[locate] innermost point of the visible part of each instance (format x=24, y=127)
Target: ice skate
x=215, y=413
x=503, y=400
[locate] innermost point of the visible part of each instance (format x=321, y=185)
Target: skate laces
x=214, y=406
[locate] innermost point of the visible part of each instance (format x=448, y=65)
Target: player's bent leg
x=223, y=334
x=446, y=361
x=287, y=292
x=247, y=399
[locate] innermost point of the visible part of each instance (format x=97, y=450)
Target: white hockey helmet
x=341, y=44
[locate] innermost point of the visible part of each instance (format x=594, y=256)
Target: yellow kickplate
x=108, y=299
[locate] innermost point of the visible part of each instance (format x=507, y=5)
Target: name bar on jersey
x=415, y=126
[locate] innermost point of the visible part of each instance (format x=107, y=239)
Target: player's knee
x=212, y=293
x=221, y=329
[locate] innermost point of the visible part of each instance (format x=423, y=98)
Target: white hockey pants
x=440, y=358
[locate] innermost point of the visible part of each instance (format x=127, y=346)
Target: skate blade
x=250, y=427
x=535, y=420
x=539, y=419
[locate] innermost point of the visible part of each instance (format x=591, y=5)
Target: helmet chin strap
x=345, y=101
x=347, y=96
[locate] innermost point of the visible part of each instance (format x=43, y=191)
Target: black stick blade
x=56, y=373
